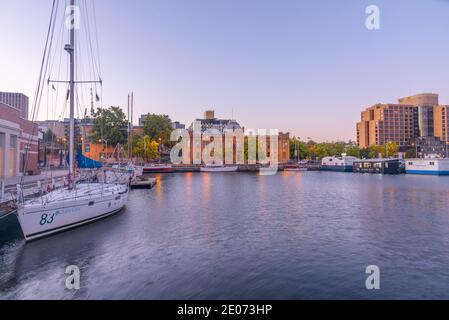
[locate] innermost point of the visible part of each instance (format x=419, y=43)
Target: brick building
x=16, y=100
x=282, y=153
x=17, y=135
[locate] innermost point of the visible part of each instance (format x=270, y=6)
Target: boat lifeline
x=78, y=203
x=429, y=166
x=342, y=164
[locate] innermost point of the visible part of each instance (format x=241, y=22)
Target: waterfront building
x=441, y=125
x=17, y=136
x=210, y=122
x=425, y=103
x=418, y=122
x=384, y=123
x=282, y=153
x=16, y=100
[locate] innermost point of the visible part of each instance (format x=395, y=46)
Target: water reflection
x=233, y=235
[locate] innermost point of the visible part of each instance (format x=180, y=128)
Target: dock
x=144, y=183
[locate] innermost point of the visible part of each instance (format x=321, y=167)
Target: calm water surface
x=243, y=236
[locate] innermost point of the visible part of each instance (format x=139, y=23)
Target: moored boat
x=79, y=202
x=342, y=164
x=427, y=166
x=68, y=208
x=381, y=166
x=157, y=168
x=218, y=168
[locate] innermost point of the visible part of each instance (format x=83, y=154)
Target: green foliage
x=158, y=127
x=111, y=125
x=313, y=150
x=146, y=148
x=390, y=149
x=300, y=147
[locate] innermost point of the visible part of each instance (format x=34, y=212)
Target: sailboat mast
x=71, y=51
x=131, y=125
x=129, y=131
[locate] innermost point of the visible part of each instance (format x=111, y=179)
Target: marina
x=284, y=233
x=215, y=157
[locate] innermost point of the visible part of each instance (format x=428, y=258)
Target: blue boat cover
x=87, y=163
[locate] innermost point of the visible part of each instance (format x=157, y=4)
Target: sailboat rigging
x=81, y=201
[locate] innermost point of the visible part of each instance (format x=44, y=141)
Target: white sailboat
x=78, y=204
x=218, y=168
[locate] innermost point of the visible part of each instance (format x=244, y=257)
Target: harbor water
x=294, y=235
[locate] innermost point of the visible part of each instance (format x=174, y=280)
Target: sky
x=308, y=67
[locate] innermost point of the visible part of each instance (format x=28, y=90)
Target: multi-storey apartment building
x=384, y=123
x=441, y=125
x=425, y=103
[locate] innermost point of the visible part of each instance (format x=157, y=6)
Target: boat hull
x=428, y=172
x=53, y=218
x=150, y=170
x=347, y=168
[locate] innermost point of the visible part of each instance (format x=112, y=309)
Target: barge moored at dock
x=341, y=164
x=427, y=166
x=382, y=166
